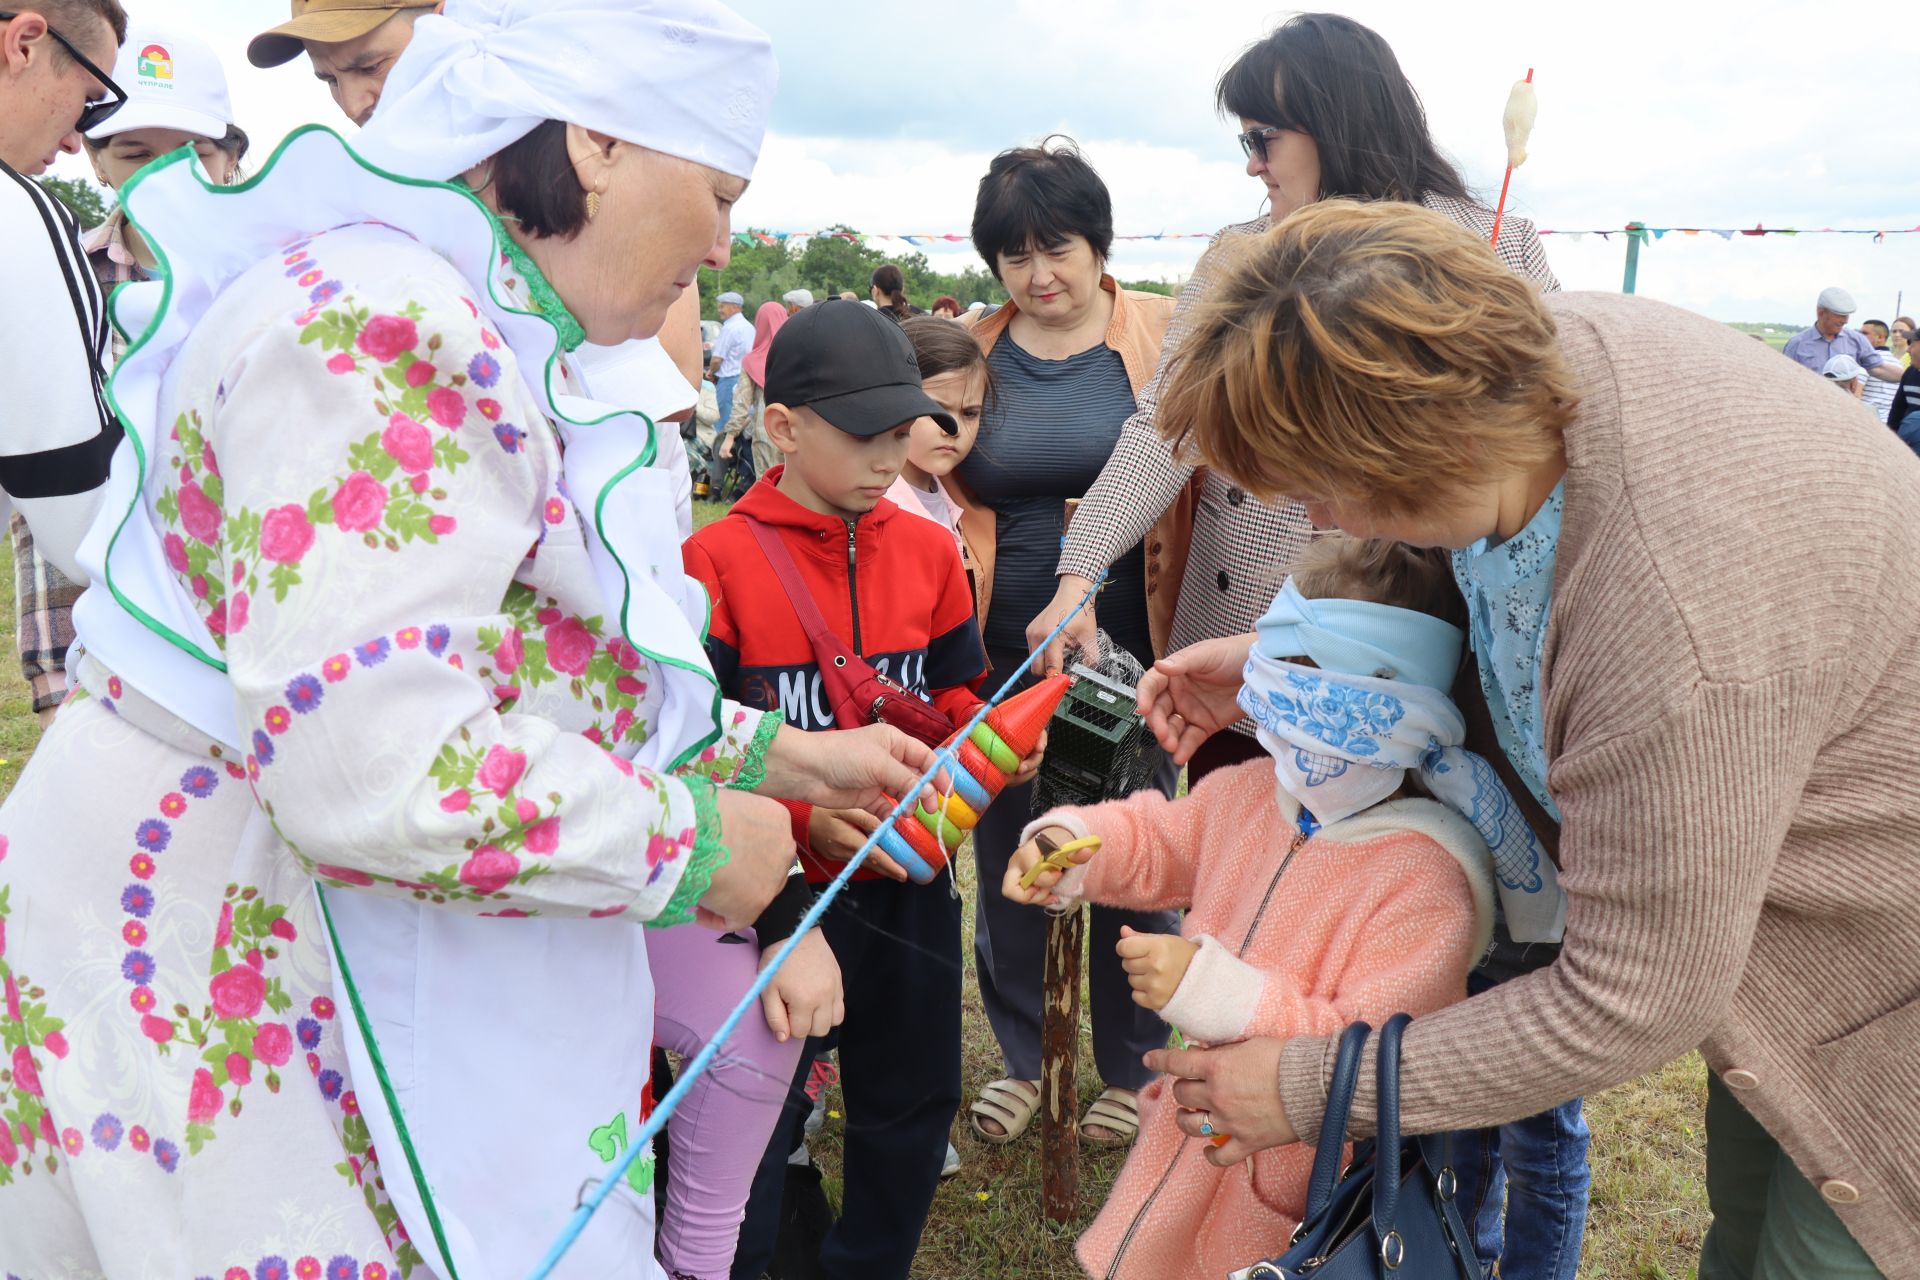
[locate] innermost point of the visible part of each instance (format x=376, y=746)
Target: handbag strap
x=812, y=621
x=1333, y=1125
x=1387, y=1153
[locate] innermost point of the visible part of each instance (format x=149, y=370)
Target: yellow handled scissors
x=1058, y=857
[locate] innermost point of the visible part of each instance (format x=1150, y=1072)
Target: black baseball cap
x=851, y=365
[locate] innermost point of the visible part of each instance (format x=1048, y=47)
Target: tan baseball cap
x=327, y=21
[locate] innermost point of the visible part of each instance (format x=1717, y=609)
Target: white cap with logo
x=173, y=81
x=1843, y=368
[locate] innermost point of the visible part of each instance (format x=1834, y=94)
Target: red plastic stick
x=1499, y=210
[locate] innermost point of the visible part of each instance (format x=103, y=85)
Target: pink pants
x=719, y=1131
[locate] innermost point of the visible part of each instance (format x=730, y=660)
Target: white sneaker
x=952, y=1166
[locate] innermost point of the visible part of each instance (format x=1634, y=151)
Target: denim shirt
x=1509, y=589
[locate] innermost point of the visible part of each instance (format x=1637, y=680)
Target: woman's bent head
x=1378, y=363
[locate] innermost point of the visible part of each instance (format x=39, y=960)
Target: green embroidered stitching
x=753, y=763
x=545, y=299
x=708, y=856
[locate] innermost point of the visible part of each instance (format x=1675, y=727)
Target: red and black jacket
x=889, y=583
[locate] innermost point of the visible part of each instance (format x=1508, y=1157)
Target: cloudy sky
x=1687, y=113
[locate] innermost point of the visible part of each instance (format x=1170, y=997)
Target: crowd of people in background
x=1310, y=495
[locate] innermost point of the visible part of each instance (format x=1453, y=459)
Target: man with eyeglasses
x=57, y=435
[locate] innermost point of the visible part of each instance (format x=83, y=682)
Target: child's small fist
x=1155, y=964
x=1030, y=767
x=1026, y=858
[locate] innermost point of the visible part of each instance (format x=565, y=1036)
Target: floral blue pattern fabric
x=1509, y=590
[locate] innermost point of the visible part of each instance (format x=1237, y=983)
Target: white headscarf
x=689, y=78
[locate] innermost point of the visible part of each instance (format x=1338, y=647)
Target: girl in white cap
x=321, y=901
x=176, y=97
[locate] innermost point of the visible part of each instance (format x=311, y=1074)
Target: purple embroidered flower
x=325, y=291
x=373, y=652
x=153, y=835
x=309, y=1032
x=165, y=1154
x=483, y=369
x=136, y=900
x=330, y=1084
x=343, y=1268
x=274, y=1268
x=199, y=782
x=262, y=746
x=304, y=693
x=437, y=637
x=299, y=268
x=508, y=435
x=137, y=968
x=107, y=1131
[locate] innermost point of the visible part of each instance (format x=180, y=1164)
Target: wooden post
x=1059, y=1046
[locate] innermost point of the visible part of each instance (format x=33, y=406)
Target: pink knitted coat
x=1382, y=913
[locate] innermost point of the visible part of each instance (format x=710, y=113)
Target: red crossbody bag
x=858, y=694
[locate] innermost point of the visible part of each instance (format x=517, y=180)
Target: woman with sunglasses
x=1324, y=112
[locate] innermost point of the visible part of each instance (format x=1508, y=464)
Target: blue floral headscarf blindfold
x=1360, y=638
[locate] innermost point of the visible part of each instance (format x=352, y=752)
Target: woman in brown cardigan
x=1067, y=354
x=1715, y=689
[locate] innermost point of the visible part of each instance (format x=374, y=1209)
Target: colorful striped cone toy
x=991, y=753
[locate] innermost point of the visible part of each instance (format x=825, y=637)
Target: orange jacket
x=1138, y=327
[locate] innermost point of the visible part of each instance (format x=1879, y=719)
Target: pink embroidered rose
x=622, y=721
x=420, y=373
x=223, y=928
x=254, y=958
x=525, y=810
x=456, y=801
x=408, y=442
x=624, y=655
x=489, y=408
x=237, y=992
x=199, y=585
x=509, y=653
x=176, y=548
x=602, y=913
x=8, y=1152
x=359, y=502
x=501, y=769
x=569, y=647
x=385, y=337
x=198, y=516
x=239, y=1068
x=217, y=620
x=448, y=407
x=286, y=534
x=489, y=869
x=56, y=1044
x=237, y=613
x=13, y=999
x=548, y=616
x=441, y=526
x=418, y=482
x=544, y=836
x=283, y=929
x=340, y=362
x=661, y=849
x=26, y=1077
x=631, y=687
x=273, y=1043
x=345, y=875
x=203, y=1100
x=207, y=459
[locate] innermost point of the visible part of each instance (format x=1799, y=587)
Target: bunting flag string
x=921, y=238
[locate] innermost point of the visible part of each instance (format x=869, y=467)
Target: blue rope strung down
x=643, y=1140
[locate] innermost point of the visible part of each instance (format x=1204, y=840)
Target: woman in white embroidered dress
x=392, y=643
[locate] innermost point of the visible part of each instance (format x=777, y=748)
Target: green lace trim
x=753, y=761
x=545, y=299
x=708, y=856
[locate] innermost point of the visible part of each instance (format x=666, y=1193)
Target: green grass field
x=1649, y=1201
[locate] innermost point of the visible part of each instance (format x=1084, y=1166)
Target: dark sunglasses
x=1254, y=141
x=94, y=112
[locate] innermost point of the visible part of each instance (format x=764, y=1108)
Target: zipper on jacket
x=853, y=586
x=1300, y=837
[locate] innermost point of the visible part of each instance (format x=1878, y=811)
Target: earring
x=593, y=205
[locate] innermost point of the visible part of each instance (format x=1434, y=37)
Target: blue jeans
x=723, y=392
x=1536, y=1171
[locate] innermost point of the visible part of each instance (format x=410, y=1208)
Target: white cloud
x=1691, y=113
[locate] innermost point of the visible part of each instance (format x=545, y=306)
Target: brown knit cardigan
x=1732, y=698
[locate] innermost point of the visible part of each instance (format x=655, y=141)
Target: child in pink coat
x=1367, y=900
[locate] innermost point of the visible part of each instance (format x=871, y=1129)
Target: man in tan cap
x=352, y=44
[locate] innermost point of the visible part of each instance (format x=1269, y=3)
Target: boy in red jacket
x=843, y=392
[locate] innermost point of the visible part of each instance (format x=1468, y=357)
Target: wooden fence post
x=1059, y=1046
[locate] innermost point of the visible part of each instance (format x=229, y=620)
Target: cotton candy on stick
x=986, y=759
x=1517, y=122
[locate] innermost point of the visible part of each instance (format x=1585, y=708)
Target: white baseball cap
x=1843, y=369
x=173, y=81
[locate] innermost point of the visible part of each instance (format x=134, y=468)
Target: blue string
x=751, y=1000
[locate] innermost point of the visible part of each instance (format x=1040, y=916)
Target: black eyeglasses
x=1254, y=141
x=96, y=111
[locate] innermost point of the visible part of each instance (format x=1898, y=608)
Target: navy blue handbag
x=1391, y=1216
